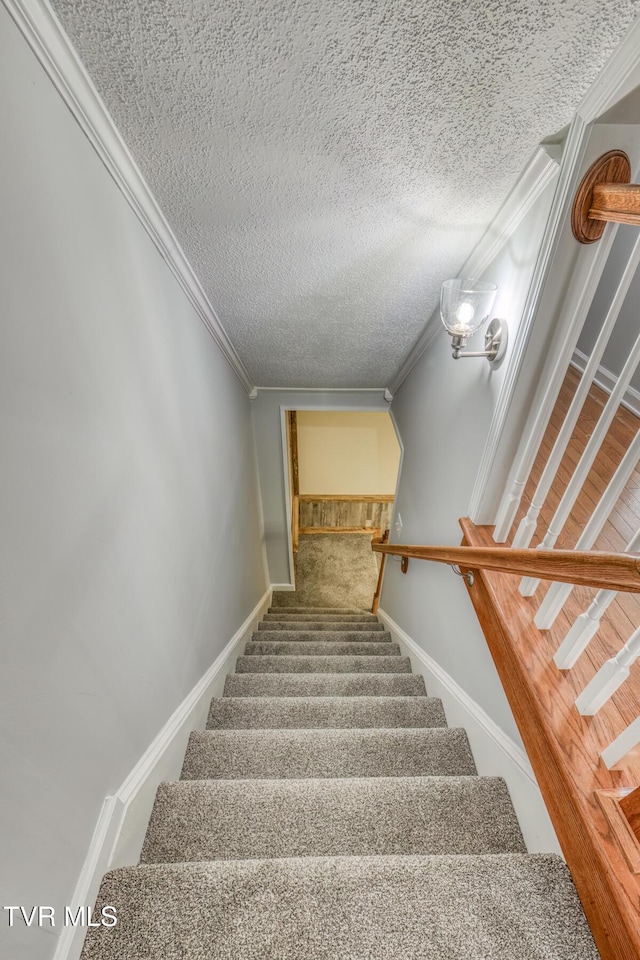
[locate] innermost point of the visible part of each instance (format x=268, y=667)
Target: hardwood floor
x=623, y=616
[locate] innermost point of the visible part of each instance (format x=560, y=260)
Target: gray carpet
x=287, y=616
x=324, y=685
x=228, y=820
x=333, y=626
x=333, y=570
x=242, y=754
x=328, y=812
x=319, y=648
x=294, y=632
x=246, y=713
x=294, y=609
x=495, y=907
x=309, y=664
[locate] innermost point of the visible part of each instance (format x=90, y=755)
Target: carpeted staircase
x=328, y=813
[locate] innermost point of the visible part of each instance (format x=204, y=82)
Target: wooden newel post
x=605, y=195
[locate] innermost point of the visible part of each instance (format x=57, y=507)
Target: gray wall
x=443, y=412
x=267, y=418
x=131, y=542
x=627, y=325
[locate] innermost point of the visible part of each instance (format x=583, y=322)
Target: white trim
x=541, y=170
x=123, y=820
x=535, y=178
x=569, y=173
x=41, y=29
x=495, y=753
x=283, y=586
x=607, y=381
x=515, y=753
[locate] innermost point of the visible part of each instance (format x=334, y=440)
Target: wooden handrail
x=609, y=571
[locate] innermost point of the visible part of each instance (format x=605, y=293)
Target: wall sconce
x=464, y=306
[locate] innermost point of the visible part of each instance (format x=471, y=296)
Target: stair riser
x=244, y=713
x=349, y=611
x=320, y=626
x=204, y=820
x=306, y=664
x=321, y=617
x=324, y=636
x=320, y=649
x=317, y=685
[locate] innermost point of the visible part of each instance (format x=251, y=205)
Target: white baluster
x=528, y=524
x=587, y=624
x=583, y=631
x=628, y=740
x=574, y=308
x=529, y=585
x=557, y=593
x=609, y=677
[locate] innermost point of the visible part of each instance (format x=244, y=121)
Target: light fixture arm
x=495, y=342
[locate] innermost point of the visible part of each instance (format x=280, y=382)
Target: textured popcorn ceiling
x=326, y=164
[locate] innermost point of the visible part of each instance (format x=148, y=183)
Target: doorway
x=343, y=471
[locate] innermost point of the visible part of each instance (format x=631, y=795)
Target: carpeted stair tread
x=324, y=685
x=320, y=648
x=296, y=754
x=309, y=664
x=233, y=819
x=286, y=617
x=246, y=713
x=326, y=636
x=491, y=907
x=335, y=626
x=292, y=610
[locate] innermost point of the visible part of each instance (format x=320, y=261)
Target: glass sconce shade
x=465, y=305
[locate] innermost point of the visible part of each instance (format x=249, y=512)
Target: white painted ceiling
x=326, y=164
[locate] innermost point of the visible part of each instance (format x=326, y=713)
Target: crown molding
x=575, y=145
x=540, y=171
x=43, y=32
x=620, y=74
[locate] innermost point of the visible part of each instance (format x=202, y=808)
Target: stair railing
x=609, y=573
x=593, y=799
x=612, y=571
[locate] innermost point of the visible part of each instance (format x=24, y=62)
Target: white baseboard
x=494, y=752
x=119, y=834
x=607, y=381
x=283, y=587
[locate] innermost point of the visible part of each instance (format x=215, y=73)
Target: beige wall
x=347, y=452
